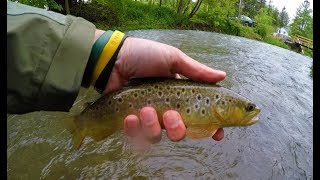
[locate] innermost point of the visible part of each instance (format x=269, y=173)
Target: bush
x=105, y=12
x=248, y=32
x=307, y=52
x=275, y=41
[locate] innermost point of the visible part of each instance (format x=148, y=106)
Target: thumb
x=194, y=70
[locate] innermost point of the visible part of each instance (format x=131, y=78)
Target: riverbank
x=131, y=15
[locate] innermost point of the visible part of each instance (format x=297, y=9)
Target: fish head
x=234, y=110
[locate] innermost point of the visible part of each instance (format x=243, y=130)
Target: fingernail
x=149, y=117
x=221, y=72
x=173, y=121
x=132, y=124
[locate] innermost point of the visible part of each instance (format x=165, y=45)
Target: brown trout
x=203, y=107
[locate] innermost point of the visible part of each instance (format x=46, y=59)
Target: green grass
x=275, y=41
x=307, y=52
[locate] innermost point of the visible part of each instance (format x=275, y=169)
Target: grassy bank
x=130, y=15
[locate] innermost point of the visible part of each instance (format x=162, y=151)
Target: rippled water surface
x=278, y=147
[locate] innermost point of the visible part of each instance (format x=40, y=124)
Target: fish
x=203, y=107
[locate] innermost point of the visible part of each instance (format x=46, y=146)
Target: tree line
x=209, y=15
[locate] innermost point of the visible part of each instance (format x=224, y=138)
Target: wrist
x=103, y=55
x=97, y=34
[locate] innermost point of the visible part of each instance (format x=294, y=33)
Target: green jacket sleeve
x=46, y=57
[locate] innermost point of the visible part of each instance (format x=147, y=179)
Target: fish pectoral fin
x=201, y=131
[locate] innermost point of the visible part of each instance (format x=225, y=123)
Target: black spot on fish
x=120, y=100
x=178, y=93
x=183, y=90
x=149, y=102
x=196, y=106
x=188, y=111
x=160, y=93
x=109, y=102
x=167, y=99
x=168, y=87
x=117, y=109
x=222, y=102
x=187, y=100
x=135, y=95
x=156, y=86
x=230, y=100
x=178, y=106
x=193, y=91
x=199, y=97
x=142, y=93
x=203, y=112
x=207, y=101
x=160, y=88
x=216, y=96
x=149, y=90
x=130, y=105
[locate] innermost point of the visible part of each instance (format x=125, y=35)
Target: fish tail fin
x=78, y=134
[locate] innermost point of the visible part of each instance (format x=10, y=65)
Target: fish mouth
x=254, y=120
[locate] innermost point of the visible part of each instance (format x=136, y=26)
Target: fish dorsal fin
x=201, y=131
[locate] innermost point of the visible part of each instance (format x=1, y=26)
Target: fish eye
x=250, y=107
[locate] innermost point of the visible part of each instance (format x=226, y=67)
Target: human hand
x=144, y=58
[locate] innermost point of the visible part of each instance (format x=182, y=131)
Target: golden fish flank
x=203, y=108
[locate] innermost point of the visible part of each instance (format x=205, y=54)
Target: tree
x=195, y=8
x=274, y=13
x=251, y=7
x=284, y=18
x=264, y=23
x=303, y=21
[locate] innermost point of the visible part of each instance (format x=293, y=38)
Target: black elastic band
x=105, y=74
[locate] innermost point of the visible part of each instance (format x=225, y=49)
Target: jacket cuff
x=62, y=82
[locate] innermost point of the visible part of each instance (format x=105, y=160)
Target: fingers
x=131, y=125
x=218, y=135
x=194, y=70
x=150, y=125
x=176, y=130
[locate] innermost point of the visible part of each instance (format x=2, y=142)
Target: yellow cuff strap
x=108, y=51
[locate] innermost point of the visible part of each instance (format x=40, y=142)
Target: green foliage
x=307, y=52
x=284, y=18
x=275, y=41
x=264, y=23
x=106, y=12
x=51, y=4
x=251, y=7
x=248, y=32
x=273, y=12
x=303, y=21
x=212, y=15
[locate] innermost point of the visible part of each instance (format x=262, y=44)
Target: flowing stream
x=279, y=146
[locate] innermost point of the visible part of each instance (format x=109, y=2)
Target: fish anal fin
x=201, y=131
x=77, y=133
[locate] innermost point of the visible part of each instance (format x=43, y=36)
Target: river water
x=277, y=147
